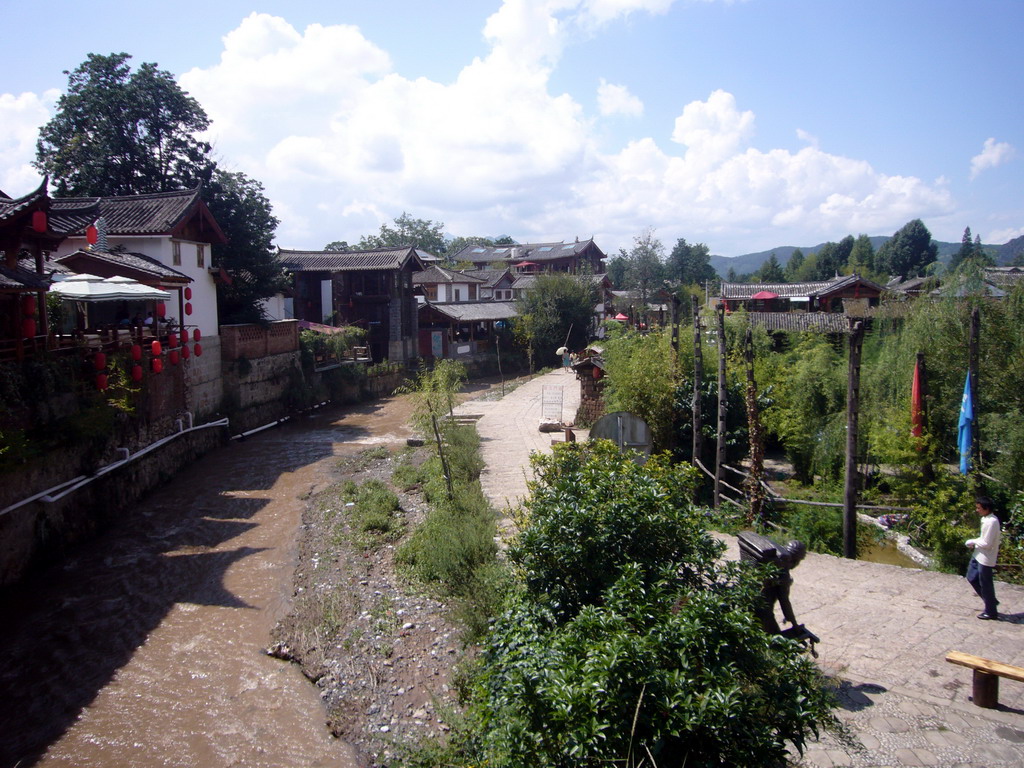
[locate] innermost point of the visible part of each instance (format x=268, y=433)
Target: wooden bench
x=986, y=676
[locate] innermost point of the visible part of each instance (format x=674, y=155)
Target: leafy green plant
x=624, y=641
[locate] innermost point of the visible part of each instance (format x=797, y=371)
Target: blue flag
x=966, y=420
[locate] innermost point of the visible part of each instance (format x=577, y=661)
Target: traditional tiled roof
x=23, y=277
x=476, y=311
x=537, y=252
x=346, y=261
x=435, y=274
x=794, y=290
x=1004, y=276
x=490, y=277
x=137, y=263
x=9, y=208
x=160, y=213
x=822, y=322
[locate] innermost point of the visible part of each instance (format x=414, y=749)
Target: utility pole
x=698, y=383
x=852, y=408
x=722, y=406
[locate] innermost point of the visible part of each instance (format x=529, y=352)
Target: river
x=144, y=648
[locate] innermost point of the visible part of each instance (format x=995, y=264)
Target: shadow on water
x=70, y=628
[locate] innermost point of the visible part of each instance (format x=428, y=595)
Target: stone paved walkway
x=885, y=630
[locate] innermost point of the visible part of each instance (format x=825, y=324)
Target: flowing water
x=145, y=648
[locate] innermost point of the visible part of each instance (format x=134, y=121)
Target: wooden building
x=368, y=289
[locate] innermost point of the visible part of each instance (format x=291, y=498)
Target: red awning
x=526, y=264
x=620, y=316
x=765, y=295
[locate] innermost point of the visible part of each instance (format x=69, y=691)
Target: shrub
x=624, y=641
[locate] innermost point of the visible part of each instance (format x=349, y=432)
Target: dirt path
x=146, y=649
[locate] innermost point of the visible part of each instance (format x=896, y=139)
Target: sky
x=742, y=124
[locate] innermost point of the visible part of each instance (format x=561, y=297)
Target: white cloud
x=993, y=154
x=22, y=116
x=807, y=138
x=1000, y=236
x=617, y=100
x=342, y=143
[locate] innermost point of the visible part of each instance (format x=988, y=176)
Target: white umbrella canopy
x=85, y=287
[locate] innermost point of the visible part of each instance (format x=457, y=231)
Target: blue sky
x=744, y=125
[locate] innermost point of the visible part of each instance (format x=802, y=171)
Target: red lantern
x=184, y=353
x=188, y=308
x=91, y=235
x=173, y=357
x=161, y=309
x=199, y=350
x=101, y=381
x=158, y=365
x=28, y=328
x=188, y=293
x=28, y=305
x=196, y=335
x=99, y=361
x=184, y=336
x=136, y=352
x=172, y=340
x=136, y=373
x=597, y=373
x=39, y=221
x=156, y=348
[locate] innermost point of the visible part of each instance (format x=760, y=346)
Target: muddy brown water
x=145, y=647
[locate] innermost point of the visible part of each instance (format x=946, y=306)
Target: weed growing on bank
x=453, y=551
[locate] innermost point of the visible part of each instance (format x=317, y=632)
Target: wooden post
x=722, y=406
x=755, y=490
x=852, y=408
x=698, y=385
x=973, y=367
x=985, y=691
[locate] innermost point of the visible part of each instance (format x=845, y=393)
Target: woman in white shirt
x=983, y=561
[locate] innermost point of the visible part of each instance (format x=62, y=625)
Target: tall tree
x=409, y=231
x=617, y=266
x=243, y=211
x=771, y=271
x=862, y=256
x=337, y=245
x=908, y=252
x=792, y=271
x=118, y=132
x=690, y=264
x=646, y=270
x=556, y=311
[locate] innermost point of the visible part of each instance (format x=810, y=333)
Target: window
x=176, y=253
x=503, y=294
x=200, y=255
x=430, y=291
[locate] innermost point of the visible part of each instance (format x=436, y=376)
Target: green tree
x=793, y=264
x=862, y=257
x=908, y=252
x=337, y=245
x=557, y=311
x=616, y=268
x=625, y=640
x=690, y=264
x=408, y=231
x=640, y=380
x=771, y=271
x=645, y=271
x=240, y=207
x=118, y=132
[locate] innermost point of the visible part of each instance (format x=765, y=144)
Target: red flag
x=916, y=406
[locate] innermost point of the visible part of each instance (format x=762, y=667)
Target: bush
x=624, y=641
x=592, y=511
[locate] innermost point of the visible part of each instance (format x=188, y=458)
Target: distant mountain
x=751, y=262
